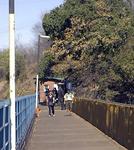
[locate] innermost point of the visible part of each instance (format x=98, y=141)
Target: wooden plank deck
x=67, y=132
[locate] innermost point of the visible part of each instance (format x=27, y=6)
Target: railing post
x=12, y=71
x=37, y=89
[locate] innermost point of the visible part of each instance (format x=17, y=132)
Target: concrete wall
x=115, y=120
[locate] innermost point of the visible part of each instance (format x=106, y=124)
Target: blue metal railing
x=5, y=125
x=25, y=112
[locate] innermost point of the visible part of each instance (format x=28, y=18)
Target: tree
x=45, y=65
x=4, y=65
x=94, y=36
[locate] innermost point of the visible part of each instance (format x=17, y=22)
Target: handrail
x=114, y=119
x=25, y=112
x=5, y=124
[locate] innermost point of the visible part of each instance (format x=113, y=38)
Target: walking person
x=46, y=92
x=68, y=99
x=61, y=97
x=55, y=94
x=50, y=102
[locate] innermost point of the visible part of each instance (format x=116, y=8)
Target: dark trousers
x=62, y=105
x=51, y=109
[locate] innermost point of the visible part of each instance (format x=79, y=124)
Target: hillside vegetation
x=93, y=47
x=25, y=71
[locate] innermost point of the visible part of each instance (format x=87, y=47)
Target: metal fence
x=114, y=119
x=25, y=111
x=5, y=125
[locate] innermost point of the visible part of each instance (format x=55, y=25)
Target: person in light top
x=68, y=99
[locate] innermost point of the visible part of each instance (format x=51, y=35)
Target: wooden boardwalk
x=65, y=132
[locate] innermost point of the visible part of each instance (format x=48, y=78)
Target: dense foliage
x=44, y=65
x=4, y=65
x=24, y=74
x=93, y=47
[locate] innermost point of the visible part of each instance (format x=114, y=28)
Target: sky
x=27, y=14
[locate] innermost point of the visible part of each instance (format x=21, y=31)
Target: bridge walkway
x=67, y=132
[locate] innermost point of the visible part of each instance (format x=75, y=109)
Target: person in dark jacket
x=50, y=102
x=55, y=94
x=46, y=91
x=61, y=97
